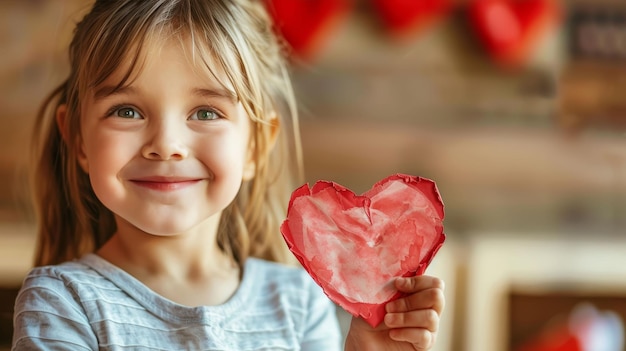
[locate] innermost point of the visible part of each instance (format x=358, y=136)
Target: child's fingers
x=418, y=328
x=431, y=298
x=417, y=283
x=427, y=319
x=421, y=339
x=415, y=317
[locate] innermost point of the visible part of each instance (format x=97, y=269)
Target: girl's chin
x=169, y=229
x=169, y=223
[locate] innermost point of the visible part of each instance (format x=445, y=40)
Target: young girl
x=160, y=183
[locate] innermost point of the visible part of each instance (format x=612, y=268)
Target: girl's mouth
x=165, y=184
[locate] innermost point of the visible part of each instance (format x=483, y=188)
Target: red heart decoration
x=305, y=24
x=404, y=17
x=509, y=28
x=558, y=338
x=354, y=246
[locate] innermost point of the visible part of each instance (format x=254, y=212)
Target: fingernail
x=390, y=306
x=390, y=319
x=403, y=282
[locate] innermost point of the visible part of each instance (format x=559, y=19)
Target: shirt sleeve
x=48, y=317
x=322, y=327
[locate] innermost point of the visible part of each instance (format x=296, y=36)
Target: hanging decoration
x=404, y=18
x=510, y=29
x=307, y=24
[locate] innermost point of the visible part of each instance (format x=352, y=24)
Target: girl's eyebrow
x=221, y=93
x=108, y=90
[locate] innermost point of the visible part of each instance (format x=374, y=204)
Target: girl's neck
x=187, y=268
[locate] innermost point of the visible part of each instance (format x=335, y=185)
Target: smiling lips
x=165, y=183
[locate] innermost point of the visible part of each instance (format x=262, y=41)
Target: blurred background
x=515, y=109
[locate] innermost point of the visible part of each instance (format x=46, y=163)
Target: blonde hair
x=237, y=35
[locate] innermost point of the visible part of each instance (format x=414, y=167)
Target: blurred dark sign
x=594, y=79
x=597, y=32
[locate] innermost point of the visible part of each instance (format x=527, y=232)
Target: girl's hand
x=411, y=322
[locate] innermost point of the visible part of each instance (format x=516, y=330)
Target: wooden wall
x=33, y=36
x=433, y=105
x=495, y=141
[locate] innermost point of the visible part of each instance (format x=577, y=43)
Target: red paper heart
x=404, y=17
x=509, y=29
x=354, y=246
x=305, y=24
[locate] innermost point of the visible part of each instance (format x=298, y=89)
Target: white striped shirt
x=90, y=304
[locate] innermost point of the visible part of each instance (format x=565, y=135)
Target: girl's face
x=168, y=151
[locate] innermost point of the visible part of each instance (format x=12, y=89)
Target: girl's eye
x=205, y=115
x=127, y=112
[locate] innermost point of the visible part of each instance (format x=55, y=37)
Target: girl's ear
x=273, y=135
x=249, y=169
x=61, y=115
x=60, y=119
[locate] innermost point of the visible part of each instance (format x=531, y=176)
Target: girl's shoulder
x=59, y=289
x=66, y=274
x=70, y=284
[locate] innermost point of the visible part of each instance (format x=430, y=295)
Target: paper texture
x=355, y=246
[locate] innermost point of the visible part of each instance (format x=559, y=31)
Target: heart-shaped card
x=355, y=246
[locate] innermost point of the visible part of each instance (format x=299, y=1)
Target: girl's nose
x=166, y=143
